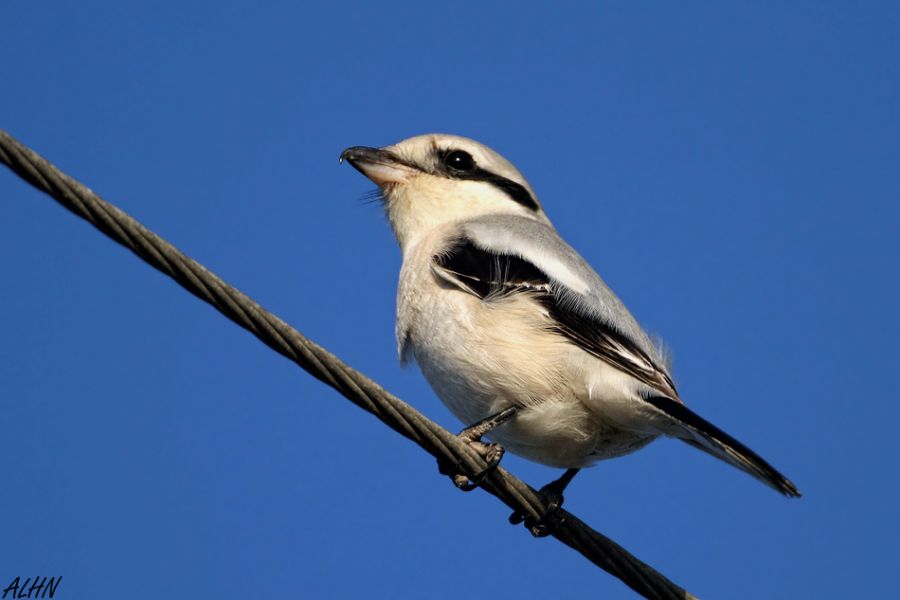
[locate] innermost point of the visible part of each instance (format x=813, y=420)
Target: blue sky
x=730, y=170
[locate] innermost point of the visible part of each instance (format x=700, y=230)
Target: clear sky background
x=730, y=170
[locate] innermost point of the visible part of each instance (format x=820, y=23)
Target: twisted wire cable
x=321, y=364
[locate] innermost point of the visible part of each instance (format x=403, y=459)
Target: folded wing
x=490, y=273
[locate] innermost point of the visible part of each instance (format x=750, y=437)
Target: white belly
x=481, y=357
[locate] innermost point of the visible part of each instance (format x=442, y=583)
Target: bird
x=513, y=329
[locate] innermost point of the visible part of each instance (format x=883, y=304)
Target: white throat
x=425, y=202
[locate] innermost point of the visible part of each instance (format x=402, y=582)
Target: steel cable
x=323, y=365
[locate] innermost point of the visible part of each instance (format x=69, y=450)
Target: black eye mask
x=459, y=164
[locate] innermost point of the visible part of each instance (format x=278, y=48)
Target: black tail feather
x=700, y=433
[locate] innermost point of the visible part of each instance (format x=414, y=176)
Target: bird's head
x=431, y=180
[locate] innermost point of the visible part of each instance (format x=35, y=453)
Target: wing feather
x=490, y=274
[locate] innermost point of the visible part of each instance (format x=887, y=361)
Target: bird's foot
x=552, y=493
x=490, y=453
x=550, y=520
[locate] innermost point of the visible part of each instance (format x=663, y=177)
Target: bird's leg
x=491, y=453
x=553, y=495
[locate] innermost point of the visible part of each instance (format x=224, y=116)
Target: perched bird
x=514, y=331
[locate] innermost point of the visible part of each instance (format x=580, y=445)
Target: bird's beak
x=381, y=166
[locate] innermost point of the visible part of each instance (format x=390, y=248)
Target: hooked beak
x=381, y=166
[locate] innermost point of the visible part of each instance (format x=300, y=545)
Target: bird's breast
x=482, y=356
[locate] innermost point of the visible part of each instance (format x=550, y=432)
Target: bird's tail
x=700, y=433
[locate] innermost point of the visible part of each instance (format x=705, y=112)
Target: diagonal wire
x=324, y=366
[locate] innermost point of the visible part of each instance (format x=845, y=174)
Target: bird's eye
x=459, y=160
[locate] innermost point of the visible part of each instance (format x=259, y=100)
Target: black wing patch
x=489, y=275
